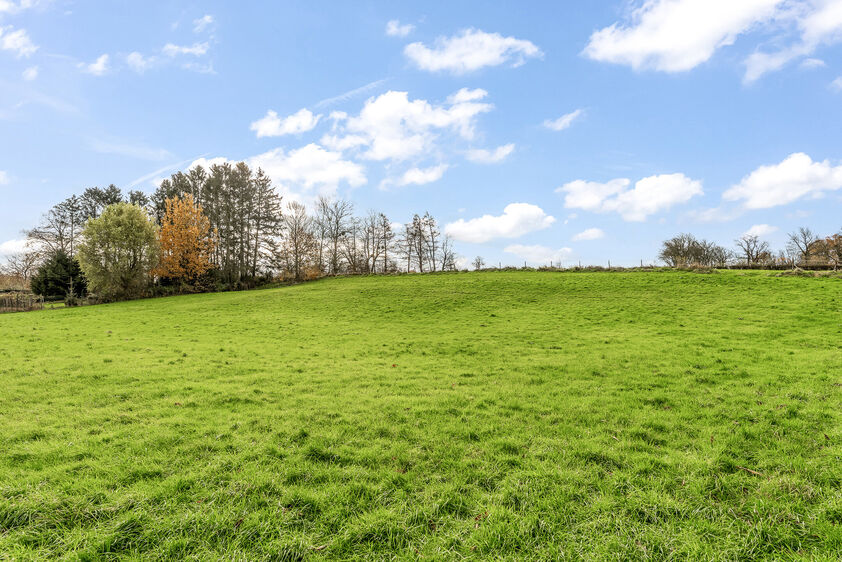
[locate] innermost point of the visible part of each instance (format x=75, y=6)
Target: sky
x=533, y=131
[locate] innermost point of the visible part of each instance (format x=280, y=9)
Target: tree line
x=218, y=228
x=804, y=249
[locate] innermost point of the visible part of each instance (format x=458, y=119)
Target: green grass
x=492, y=415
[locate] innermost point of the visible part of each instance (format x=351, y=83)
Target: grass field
x=518, y=415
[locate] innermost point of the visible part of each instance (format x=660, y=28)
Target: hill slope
x=640, y=415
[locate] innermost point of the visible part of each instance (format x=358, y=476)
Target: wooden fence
x=20, y=302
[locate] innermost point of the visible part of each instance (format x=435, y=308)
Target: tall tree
x=119, y=251
x=59, y=228
x=334, y=217
x=186, y=241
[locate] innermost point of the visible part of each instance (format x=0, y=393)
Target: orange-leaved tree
x=187, y=243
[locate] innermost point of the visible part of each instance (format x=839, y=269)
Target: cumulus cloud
x=274, y=126
x=301, y=174
x=202, y=23
x=17, y=41
x=10, y=247
x=539, y=254
x=677, y=35
x=471, y=50
x=760, y=230
x=564, y=121
x=393, y=127
x=417, y=176
x=309, y=170
x=796, y=177
x=395, y=29
x=485, y=156
x=138, y=62
x=98, y=67
x=196, y=49
x=517, y=219
x=649, y=195
x=30, y=73
x=590, y=234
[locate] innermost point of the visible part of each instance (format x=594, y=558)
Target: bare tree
x=23, y=264
x=448, y=255
x=298, y=242
x=751, y=248
x=430, y=233
x=60, y=228
x=801, y=244
x=334, y=218
x=478, y=263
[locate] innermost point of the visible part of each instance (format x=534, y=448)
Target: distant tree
x=448, y=255
x=686, y=249
x=334, y=219
x=430, y=234
x=801, y=244
x=478, y=263
x=119, y=251
x=59, y=228
x=23, y=264
x=139, y=198
x=750, y=247
x=833, y=245
x=299, y=241
x=94, y=200
x=186, y=241
x=59, y=276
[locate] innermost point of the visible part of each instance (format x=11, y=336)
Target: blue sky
x=533, y=131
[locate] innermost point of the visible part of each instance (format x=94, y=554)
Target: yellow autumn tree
x=187, y=243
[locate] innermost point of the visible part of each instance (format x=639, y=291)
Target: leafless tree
x=751, y=248
x=801, y=244
x=298, y=240
x=23, y=264
x=478, y=263
x=334, y=220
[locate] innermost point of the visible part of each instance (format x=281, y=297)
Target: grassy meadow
x=494, y=415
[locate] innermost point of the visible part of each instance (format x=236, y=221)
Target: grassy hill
x=518, y=415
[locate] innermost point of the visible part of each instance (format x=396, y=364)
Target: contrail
x=351, y=93
x=151, y=175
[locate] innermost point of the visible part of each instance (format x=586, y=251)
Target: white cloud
x=303, y=173
x=677, y=35
x=819, y=22
x=417, y=176
x=539, y=254
x=836, y=85
x=10, y=247
x=517, y=219
x=590, y=234
x=395, y=29
x=274, y=126
x=471, y=50
x=138, y=62
x=391, y=127
x=17, y=41
x=760, y=230
x=649, y=195
x=98, y=67
x=813, y=63
x=199, y=25
x=196, y=49
x=564, y=121
x=796, y=177
x=485, y=156
x=30, y=73
x=4, y=177
x=310, y=168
